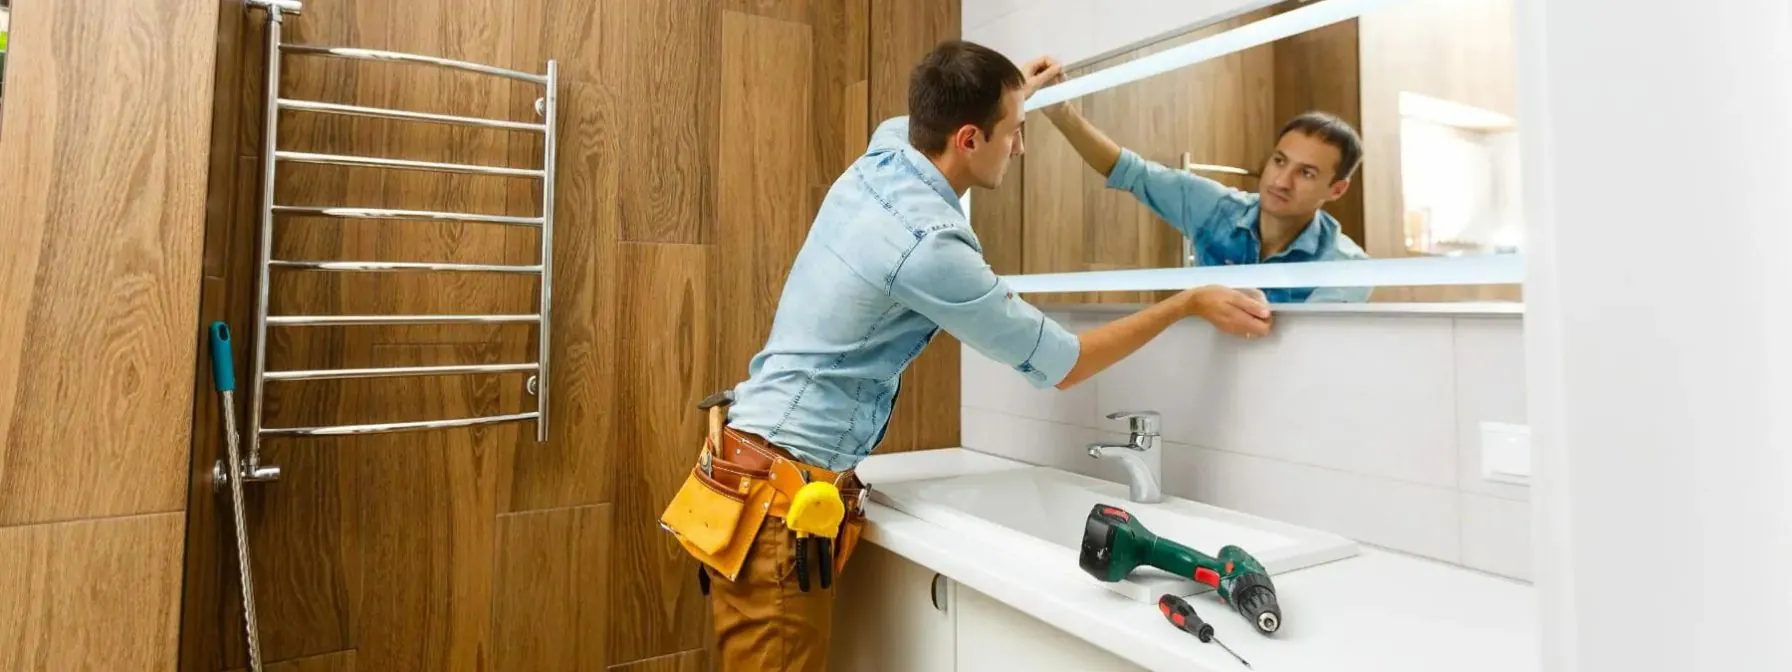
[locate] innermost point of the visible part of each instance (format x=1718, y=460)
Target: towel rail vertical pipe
x=547, y=249
x=265, y=232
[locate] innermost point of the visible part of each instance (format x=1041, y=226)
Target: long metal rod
x=378, y=55
x=383, y=428
x=378, y=320
x=265, y=245
x=388, y=213
x=405, y=164
x=407, y=115
x=244, y=568
x=400, y=267
x=547, y=249
x=402, y=371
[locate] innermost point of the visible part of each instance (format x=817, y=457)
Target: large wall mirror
x=1428, y=88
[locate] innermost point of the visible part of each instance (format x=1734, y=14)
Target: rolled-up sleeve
x=1184, y=200
x=947, y=280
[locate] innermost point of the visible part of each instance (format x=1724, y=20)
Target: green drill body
x=1114, y=544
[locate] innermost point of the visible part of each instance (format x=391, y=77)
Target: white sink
x=1035, y=515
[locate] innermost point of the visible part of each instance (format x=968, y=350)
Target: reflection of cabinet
x=886, y=619
x=1224, y=111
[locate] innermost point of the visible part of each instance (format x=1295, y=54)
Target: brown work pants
x=764, y=622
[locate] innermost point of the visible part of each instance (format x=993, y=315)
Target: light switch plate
x=1506, y=453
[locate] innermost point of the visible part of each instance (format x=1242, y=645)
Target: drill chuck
x=1255, y=599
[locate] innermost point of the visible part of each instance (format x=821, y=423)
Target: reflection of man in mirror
x=1315, y=156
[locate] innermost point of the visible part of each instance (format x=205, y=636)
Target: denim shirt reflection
x=1221, y=222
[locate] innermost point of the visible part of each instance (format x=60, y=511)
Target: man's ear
x=966, y=138
x=1339, y=187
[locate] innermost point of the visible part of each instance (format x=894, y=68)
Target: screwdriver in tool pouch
x=1184, y=618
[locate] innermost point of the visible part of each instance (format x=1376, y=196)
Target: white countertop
x=1380, y=611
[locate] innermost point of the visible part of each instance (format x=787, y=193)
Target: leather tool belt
x=738, y=482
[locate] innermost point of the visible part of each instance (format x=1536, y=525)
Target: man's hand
x=1039, y=73
x=1240, y=313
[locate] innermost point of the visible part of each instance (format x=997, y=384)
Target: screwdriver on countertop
x=1184, y=618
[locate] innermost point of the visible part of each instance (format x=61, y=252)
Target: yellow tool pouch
x=714, y=523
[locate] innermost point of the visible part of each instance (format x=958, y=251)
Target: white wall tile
x=1496, y=535
x=1490, y=386
x=973, y=14
x=992, y=386
x=1368, y=395
x=1159, y=377
x=1417, y=519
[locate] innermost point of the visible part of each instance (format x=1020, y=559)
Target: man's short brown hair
x=1332, y=131
x=955, y=84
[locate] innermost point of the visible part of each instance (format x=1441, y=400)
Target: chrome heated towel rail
x=272, y=156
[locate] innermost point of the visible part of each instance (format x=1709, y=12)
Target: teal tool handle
x=223, y=366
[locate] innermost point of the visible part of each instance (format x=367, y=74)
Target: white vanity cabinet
x=886, y=620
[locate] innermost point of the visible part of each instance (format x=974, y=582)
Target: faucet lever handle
x=1141, y=422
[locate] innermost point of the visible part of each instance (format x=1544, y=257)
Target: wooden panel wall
x=926, y=414
x=1457, y=50
x=697, y=140
x=102, y=202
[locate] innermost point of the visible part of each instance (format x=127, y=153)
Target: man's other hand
x=1041, y=72
x=1240, y=313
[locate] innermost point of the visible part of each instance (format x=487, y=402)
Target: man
x=1313, y=161
x=888, y=262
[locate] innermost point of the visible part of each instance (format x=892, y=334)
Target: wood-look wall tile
x=902, y=31
x=91, y=594
x=925, y=415
x=840, y=60
x=669, y=135
x=549, y=590
x=573, y=467
x=339, y=661
x=688, y=661
x=667, y=327
x=765, y=112
x=998, y=218
x=101, y=267
x=796, y=11
x=427, y=523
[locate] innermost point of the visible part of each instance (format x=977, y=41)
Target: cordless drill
x=1114, y=543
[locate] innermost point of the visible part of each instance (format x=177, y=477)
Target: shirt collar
x=931, y=174
x=1308, y=240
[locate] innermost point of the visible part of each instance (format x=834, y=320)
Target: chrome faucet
x=1142, y=484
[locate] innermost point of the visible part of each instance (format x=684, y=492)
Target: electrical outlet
x=1506, y=453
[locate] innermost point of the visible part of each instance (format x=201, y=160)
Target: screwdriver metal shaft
x=1184, y=618
x=1228, y=649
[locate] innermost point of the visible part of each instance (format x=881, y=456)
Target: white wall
x=1362, y=425
x=1075, y=31
x=1661, y=374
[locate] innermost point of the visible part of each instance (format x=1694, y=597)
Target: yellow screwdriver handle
x=816, y=510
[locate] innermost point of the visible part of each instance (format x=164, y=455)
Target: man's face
x=1299, y=177
x=988, y=156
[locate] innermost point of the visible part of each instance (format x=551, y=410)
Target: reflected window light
x=1459, y=178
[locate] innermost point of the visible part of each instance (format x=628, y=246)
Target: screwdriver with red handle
x=1185, y=619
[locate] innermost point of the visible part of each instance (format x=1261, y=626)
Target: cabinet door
x=885, y=619
x=995, y=636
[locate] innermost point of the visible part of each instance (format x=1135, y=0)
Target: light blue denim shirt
x=889, y=261
x=1222, y=222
